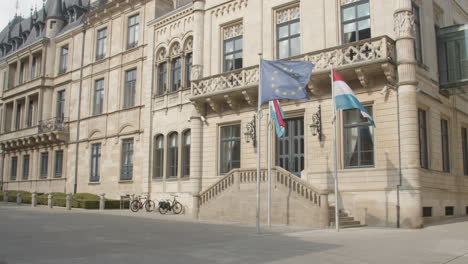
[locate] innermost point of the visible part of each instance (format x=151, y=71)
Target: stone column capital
x=403, y=24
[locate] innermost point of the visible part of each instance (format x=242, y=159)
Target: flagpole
x=335, y=162
x=259, y=119
x=269, y=164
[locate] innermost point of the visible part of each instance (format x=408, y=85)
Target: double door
x=290, y=147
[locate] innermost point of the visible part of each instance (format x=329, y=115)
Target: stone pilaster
x=410, y=197
x=196, y=151
x=198, y=17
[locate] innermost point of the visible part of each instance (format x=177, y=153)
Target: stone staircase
x=345, y=221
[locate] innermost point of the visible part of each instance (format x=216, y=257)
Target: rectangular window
x=98, y=96
x=288, y=39
x=60, y=111
x=21, y=73
x=449, y=210
x=358, y=138
x=14, y=168
x=101, y=44
x=176, y=73
x=129, y=89
x=95, y=163
x=427, y=211
x=132, y=39
x=18, y=116
x=423, y=150
x=230, y=148
x=232, y=50
x=355, y=20
x=44, y=165
x=30, y=113
x=34, y=68
x=466, y=210
x=63, y=64
x=58, y=164
x=445, y=145
x=465, y=150
x=188, y=70
x=417, y=26
x=162, y=78
x=127, y=160
x=172, y=155
x=25, y=167
x=186, y=139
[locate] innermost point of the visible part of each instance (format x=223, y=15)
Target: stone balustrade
x=377, y=50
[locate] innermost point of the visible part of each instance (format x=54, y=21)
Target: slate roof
x=32, y=29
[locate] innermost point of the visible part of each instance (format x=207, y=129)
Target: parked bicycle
x=137, y=204
x=169, y=205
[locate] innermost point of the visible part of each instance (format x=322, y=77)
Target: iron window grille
x=58, y=164
x=44, y=165
x=127, y=160
x=95, y=163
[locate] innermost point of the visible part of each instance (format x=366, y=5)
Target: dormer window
x=52, y=24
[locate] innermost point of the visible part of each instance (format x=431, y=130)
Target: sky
x=8, y=9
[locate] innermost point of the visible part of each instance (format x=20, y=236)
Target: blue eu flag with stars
x=284, y=80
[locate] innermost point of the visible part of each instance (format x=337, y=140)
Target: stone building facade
x=159, y=97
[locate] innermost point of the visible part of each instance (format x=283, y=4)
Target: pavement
x=43, y=235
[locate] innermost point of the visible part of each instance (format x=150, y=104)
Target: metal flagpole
x=259, y=119
x=335, y=162
x=269, y=163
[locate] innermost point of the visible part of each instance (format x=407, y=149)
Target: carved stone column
x=196, y=150
x=198, y=38
x=410, y=197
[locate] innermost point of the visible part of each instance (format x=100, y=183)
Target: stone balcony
x=357, y=60
x=51, y=131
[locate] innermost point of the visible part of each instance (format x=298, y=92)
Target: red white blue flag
x=278, y=116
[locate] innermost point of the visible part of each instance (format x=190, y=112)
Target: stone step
x=342, y=219
x=348, y=226
x=345, y=223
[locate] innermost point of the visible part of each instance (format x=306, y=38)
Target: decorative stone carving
x=289, y=14
x=230, y=7
x=362, y=76
x=175, y=49
x=196, y=72
x=161, y=55
x=404, y=24
x=233, y=31
x=189, y=45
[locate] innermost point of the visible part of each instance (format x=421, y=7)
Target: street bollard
x=102, y=201
x=69, y=201
x=50, y=200
x=34, y=199
x=5, y=196
x=19, y=198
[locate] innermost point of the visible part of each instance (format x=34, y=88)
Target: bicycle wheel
x=149, y=206
x=162, y=209
x=177, y=208
x=135, y=206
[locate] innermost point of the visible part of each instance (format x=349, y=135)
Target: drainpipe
x=75, y=185
x=2, y=170
x=150, y=132
x=400, y=176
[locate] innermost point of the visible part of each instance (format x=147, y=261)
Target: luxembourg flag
x=345, y=98
x=278, y=115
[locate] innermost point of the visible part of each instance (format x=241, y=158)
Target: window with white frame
x=95, y=174
x=232, y=47
x=230, y=148
x=132, y=37
x=355, y=20
x=58, y=164
x=126, y=170
x=98, y=97
x=129, y=88
x=158, y=157
x=172, y=155
x=186, y=138
x=101, y=43
x=63, y=63
x=288, y=32
x=358, y=139
x=14, y=168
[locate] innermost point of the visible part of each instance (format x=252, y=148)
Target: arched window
x=172, y=155
x=175, y=74
x=188, y=47
x=186, y=139
x=161, y=72
x=158, y=156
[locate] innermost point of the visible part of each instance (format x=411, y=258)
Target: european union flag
x=284, y=80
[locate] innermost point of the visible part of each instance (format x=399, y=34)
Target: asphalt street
x=42, y=235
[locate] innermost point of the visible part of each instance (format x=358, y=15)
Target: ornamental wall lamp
x=316, y=125
x=250, y=131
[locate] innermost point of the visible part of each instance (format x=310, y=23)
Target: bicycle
x=175, y=206
x=136, y=204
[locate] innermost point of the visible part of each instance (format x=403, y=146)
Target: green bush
x=1, y=196
x=12, y=196
x=115, y=204
x=26, y=197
